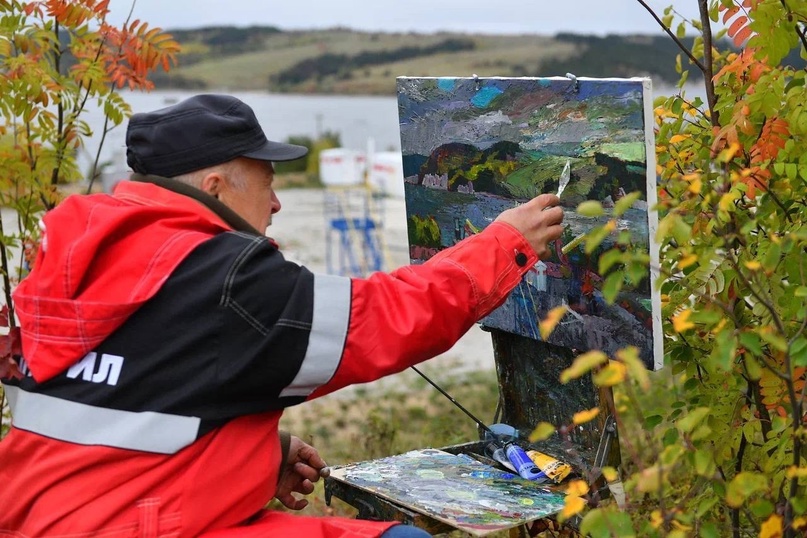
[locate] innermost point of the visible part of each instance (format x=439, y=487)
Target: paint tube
x=523, y=463
x=496, y=453
x=554, y=469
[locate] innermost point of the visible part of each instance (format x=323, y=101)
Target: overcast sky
x=600, y=17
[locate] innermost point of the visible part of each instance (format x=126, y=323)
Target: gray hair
x=231, y=170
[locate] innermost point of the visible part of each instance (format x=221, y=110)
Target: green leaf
x=609, y=258
x=743, y=486
x=605, y=523
x=724, y=351
x=751, y=342
x=705, y=505
x=612, y=285
x=775, y=340
x=692, y=419
x=652, y=421
x=595, y=238
x=753, y=366
x=625, y=203
x=709, y=530
x=798, y=352
x=590, y=208
x=761, y=508
x=771, y=258
x=801, y=291
x=704, y=463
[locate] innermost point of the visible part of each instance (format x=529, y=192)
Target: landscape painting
x=473, y=147
x=454, y=489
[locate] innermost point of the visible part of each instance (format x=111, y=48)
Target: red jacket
x=161, y=345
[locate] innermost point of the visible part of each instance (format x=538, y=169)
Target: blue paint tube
x=525, y=467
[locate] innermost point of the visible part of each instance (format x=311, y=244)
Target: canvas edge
x=652, y=225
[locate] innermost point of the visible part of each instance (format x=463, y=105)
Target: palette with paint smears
x=454, y=489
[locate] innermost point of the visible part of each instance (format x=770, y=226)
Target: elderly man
x=164, y=334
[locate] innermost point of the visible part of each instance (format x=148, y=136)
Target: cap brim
x=277, y=151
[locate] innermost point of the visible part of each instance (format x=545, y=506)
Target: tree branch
x=708, y=73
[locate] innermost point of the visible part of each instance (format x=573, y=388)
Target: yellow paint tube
x=554, y=469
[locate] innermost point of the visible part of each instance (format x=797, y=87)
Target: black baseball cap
x=201, y=131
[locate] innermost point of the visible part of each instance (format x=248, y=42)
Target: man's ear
x=212, y=184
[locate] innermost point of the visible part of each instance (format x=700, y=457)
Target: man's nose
x=276, y=205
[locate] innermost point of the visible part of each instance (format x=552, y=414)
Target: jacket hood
x=101, y=257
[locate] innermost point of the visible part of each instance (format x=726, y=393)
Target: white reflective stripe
x=327, y=339
x=90, y=425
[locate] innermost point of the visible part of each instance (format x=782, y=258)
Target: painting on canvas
x=473, y=147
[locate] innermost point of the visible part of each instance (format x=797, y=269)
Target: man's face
x=256, y=200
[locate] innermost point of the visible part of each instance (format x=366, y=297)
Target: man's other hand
x=298, y=474
x=539, y=220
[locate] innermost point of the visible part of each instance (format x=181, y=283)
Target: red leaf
x=10, y=347
x=742, y=36
x=738, y=23
x=9, y=369
x=4, y=316
x=730, y=13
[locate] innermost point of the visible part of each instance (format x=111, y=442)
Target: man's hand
x=298, y=474
x=539, y=220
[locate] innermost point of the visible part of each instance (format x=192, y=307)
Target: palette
x=454, y=489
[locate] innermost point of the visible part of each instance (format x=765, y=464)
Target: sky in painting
x=598, y=17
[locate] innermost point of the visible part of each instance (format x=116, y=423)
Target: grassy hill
x=344, y=61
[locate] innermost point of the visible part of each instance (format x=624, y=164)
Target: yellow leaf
x=728, y=154
x=753, y=265
x=542, y=431
x=677, y=138
x=553, y=317
x=655, y=519
x=582, y=365
x=727, y=201
x=800, y=522
x=743, y=485
x=696, y=186
x=772, y=528
x=573, y=506
x=630, y=356
x=681, y=321
x=581, y=417
x=610, y=474
x=793, y=472
x=686, y=261
x=577, y=488
x=611, y=375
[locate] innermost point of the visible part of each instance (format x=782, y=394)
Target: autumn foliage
x=714, y=445
x=57, y=59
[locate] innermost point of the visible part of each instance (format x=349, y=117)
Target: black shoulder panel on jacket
x=222, y=338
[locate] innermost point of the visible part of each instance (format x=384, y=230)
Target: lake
x=362, y=121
